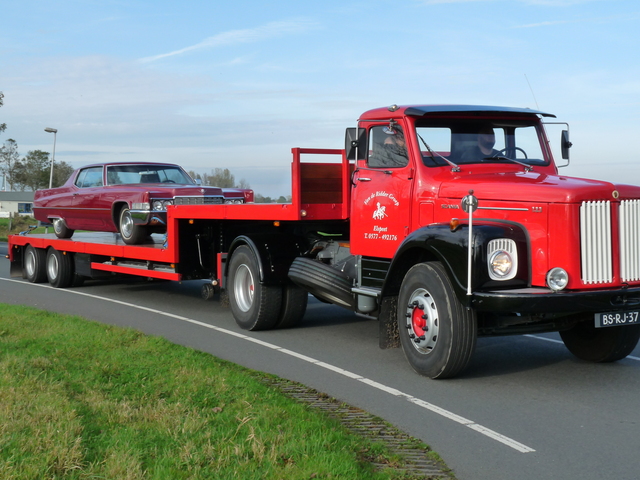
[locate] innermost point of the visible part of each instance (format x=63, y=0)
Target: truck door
x=381, y=194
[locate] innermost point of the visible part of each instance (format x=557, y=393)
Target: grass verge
x=83, y=400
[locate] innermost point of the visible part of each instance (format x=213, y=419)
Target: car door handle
x=364, y=179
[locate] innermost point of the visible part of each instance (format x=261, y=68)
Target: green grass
x=18, y=224
x=82, y=400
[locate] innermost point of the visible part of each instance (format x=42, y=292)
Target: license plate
x=616, y=319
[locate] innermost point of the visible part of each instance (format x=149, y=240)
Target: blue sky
x=236, y=84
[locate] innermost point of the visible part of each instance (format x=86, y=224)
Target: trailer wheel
x=323, y=281
x=254, y=306
x=131, y=233
x=438, y=334
x=60, y=228
x=35, y=264
x=294, y=305
x=600, y=345
x=59, y=268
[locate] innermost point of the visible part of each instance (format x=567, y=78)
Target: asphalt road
x=525, y=409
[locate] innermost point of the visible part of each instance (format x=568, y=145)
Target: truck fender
x=438, y=242
x=274, y=254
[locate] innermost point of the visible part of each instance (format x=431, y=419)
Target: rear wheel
x=600, y=345
x=59, y=268
x=254, y=306
x=35, y=264
x=294, y=305
x=60, y=228
x=131, y=233
x=438, y=334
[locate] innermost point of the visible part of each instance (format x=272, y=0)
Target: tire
x=254, y=306
x=35, y=264
x=323, y=281
x=60, y=228
x=131, y=233
x=294, y=305
x=437, y=333
x=600, y=345
x=59, y=268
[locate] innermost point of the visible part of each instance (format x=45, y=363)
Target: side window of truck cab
x=387, y=147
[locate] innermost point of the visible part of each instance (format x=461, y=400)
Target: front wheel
x=438, y=334
x=600, y=345
x=255, y=306
x=131, y=233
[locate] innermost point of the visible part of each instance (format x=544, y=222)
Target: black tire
x=60, y=228
x=34, y=264
x=255, y=306
x=59, y=268
x=323, y=281
x=131, y=233
x=600, y=345
x=294, y=305
x=438, y=334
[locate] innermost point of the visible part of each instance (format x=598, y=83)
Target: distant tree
x=222, y=177
x=282, y=199
x=34, y=170
x=3, y=126
x=8, y=158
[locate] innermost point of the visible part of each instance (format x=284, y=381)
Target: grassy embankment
x=81, y=400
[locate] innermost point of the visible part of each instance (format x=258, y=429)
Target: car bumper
x=541, y=300
x=149, y=217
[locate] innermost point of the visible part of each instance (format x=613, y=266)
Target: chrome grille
x=630, y=240
x=199, y=200
x=595, y=242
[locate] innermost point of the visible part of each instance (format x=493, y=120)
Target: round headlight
x=237, y=201
x=500, y=264
x=166, y=203
x=157, y=205
x=557, y=279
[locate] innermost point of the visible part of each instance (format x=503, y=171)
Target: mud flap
x=388, y=323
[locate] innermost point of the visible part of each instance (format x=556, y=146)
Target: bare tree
x=8, y=158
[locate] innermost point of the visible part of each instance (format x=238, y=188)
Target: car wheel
x=131, y=233
x=438, y=334
x=35, y=264
x=600, y=345
x=255, y=306
x=60, y=228
x=59, y=268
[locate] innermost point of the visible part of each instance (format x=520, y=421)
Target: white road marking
x=372, y=383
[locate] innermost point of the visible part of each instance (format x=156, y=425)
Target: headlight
x=157, y=205
x=557, y=279
x=166, y=203
x=502, y=259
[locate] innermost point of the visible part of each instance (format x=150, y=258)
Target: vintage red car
x=125, y=197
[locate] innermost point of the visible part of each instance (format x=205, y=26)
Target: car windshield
x=132, y=174
x=490, y=141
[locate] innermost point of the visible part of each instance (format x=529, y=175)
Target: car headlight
x=157, y=205
x=557, y=279
x=502, y=259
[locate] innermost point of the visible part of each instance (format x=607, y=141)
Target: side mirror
x=355, y=139
x=565, y=144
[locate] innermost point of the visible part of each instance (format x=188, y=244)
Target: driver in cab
x=484, y=147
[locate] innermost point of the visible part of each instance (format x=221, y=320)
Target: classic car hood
x=182, y=190
x=534, y=187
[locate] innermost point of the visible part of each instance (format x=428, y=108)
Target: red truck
x=444, y=222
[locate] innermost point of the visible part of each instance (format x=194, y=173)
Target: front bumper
x=149, y=217
x=543, y=300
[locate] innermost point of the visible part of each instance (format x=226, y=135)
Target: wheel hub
x=422, y=321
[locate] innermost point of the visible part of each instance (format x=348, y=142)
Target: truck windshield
x=490, y=141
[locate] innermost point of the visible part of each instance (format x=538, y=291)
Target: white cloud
x=248, y=35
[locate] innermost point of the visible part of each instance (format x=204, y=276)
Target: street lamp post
x=53, y=156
